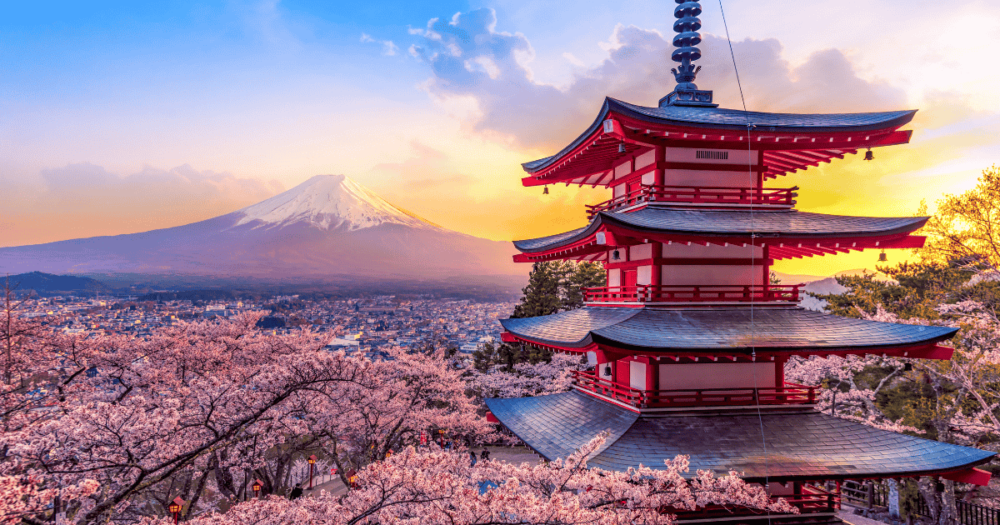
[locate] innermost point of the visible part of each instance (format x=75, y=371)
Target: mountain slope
x=329, y=226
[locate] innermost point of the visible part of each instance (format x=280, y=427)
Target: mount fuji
x=327, y=228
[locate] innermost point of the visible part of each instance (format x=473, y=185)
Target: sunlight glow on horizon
x=162, y=116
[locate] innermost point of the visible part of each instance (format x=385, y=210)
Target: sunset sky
x=119, y=117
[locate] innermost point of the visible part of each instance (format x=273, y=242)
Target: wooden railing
x=788, y=394
x=811, y=500
x=705, y=195
x=693, y=294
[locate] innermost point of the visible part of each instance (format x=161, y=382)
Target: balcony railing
x=788, y=293
x=789, y=394
x=706, y=195
x=810, y=501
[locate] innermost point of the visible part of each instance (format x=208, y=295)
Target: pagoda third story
x=688, y=340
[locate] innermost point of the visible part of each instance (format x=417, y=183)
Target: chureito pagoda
x=688, y=341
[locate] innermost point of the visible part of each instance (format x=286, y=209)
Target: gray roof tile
x=800, y=445
x=718, y=329
x=774, y=224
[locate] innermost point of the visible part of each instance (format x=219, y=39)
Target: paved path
x=847, y=514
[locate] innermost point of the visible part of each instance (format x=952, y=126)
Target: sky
x=120, y=117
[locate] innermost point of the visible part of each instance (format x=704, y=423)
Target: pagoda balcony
x=696, y=294
x=815, y=505
x=789, y=394
x=709, y=196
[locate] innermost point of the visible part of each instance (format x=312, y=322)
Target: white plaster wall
x=619, y=190
x=640, y=252
x=711, y=275
x=729, y=179
x=649, y=178
x=637, y=375
x=736, y=156
x=623, y=169
x=644, y=275
x=712, y=251
x=645, y=159
x=614, y=277
x=716, y=375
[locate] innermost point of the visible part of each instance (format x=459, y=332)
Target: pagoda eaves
x=787, y=142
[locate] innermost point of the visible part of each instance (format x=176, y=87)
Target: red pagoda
x=688, y=340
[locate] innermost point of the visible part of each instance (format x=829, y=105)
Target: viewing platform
x=701, y=196
x=770, y=295
x=789, y=394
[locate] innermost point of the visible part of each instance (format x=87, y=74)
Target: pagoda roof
x=770, y=227
x=721, y=330
x=800, y=444
x=641, y=127
x=735, y=120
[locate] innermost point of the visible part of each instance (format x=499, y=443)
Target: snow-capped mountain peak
x=328, y=202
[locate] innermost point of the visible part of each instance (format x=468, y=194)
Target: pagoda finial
x=687, y=25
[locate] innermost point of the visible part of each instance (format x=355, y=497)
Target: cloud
x=469, y=58
x=82, y=200
x=425, y=170
x=389, y=48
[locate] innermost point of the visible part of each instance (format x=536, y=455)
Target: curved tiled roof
x=718, y=329
x=722, y=118
x=801, y=445
x=775, y=224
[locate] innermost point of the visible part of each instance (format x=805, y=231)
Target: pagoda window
x=703, y=376
x=713, y=156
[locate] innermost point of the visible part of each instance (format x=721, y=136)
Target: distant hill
x=50, y=283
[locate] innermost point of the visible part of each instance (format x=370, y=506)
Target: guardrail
x=703, y=195
x=788, y=394
x=694, y=294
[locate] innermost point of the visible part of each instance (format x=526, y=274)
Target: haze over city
x=121, y=117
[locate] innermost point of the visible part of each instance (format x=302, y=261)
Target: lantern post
x=257, y=485
x=175, y=508
x=312, y=463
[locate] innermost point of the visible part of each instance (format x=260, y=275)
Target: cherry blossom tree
x=440, y=488
x=527, y=379
x=200, y=410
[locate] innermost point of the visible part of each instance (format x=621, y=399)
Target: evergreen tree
x=541, y=296
x=579, y=276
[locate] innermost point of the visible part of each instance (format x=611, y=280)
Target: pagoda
x=689, y=339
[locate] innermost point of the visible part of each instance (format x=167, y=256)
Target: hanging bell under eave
x=882, y=257
x=545, y=190
x=869, y=155
x=621, y=147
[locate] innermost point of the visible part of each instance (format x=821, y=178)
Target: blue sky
x=125, y=116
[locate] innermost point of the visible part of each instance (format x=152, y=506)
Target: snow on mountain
x=329, y=227
x=328, y=202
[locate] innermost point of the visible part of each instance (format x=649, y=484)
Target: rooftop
x=721, y=330
x=801, y=444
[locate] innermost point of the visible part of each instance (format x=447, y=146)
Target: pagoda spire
x=687, y=25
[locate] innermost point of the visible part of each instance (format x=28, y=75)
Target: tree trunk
x=949, y=508
x=928, y=490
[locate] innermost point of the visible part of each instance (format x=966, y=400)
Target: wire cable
x=753, y=252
